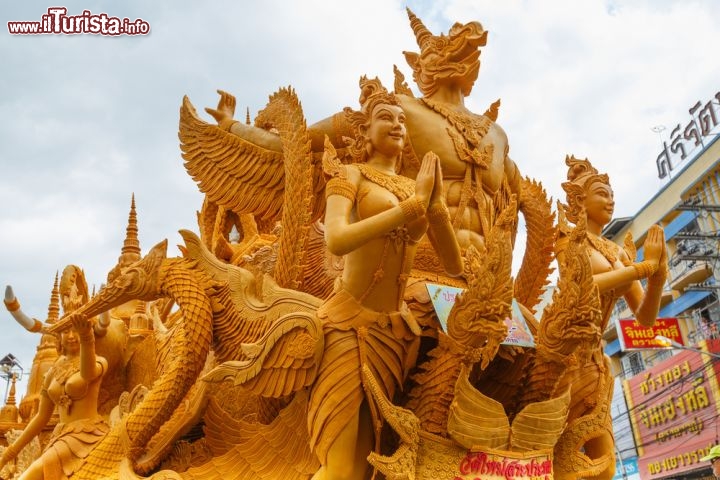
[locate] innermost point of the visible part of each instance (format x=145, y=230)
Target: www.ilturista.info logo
x=58, y=22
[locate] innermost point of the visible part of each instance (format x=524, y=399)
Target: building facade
x=667, y=401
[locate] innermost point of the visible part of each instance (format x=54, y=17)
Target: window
x=632, y=364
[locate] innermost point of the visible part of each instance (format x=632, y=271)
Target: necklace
x=400, y=186
x=64, y=369
x=472, y=127
x=603, y=246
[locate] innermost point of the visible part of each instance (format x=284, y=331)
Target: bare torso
x=372, y=271
x=429, y=131
x=75, y=397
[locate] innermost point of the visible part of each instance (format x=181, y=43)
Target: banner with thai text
x=634, y=336
x=477, y=463
x=673, y=409
x=508, y=466
x=443, y=300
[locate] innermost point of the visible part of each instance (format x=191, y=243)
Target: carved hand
x=81, y=324
x=225, y=109
x=658, y=278
x=425, y=181
x=437, y=195
x=654, y=245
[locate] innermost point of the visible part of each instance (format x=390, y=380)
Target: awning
x=672, y=228
x=683, y=302
x=612, y=348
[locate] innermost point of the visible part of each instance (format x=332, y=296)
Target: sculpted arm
x=616, y=278
x=224, y=114
x=258, y=136
x=343, y=237
x=441, y=232
x=610, y=280
x=512, y=174
x=13, y=306
x=335, y=127
x=646, y=303
x=91, y=366
x=33, y=429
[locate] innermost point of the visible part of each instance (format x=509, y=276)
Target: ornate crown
x=580, y=174
x=372, y=94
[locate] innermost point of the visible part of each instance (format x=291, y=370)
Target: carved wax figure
x=72, y=384
x=375, y=218
x=590, y=201
x=615, y=274
x=478, y=175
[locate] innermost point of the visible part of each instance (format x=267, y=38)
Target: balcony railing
x=687, y=272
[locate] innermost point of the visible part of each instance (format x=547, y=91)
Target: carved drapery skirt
x=69, y=445
x=355, y=335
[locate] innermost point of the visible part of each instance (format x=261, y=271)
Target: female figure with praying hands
x=72, y=384
x=374, y=218
x=586, y=448
x=614, y=271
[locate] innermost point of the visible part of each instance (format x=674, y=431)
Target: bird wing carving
x=283, y=361
x=233, y=172
x=244, y=450
x=539, y=425
x=475, y=419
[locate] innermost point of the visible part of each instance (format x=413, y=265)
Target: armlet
x=340, y=186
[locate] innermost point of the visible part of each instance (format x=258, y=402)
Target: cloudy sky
x=88, y=120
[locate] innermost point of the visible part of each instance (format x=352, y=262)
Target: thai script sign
x=684, y=140
x=480, y=463
x=491, y=466
x=634, y=336
x=672, y=410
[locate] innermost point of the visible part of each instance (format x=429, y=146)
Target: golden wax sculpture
x=295, y=337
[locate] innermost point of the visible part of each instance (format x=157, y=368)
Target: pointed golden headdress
x=581, y=174
x=455, y=55
x=372, y=94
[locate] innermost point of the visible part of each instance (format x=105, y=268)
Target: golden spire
x=130, y=252
x=11, y=396
x=422, y=34
x=9, y=412
x=54, y=307
x=131, y=246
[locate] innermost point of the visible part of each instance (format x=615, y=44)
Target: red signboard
x=673, y=410
x=634, y=336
